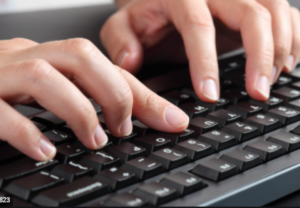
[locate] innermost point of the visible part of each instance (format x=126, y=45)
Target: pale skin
x=58, y=74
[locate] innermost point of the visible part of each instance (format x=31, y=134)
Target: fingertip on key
x=100, y=137
x=176, y=118
x=47, y=148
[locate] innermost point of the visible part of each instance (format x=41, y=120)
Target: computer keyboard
x=235, y=152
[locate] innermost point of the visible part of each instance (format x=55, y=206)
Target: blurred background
x=12, y=6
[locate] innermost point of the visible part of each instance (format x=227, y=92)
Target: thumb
x=122, y=44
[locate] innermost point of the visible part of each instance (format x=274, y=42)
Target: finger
x=254, y=22
x=282, y=33
x=80, y=60
x=295, y=51
x=21, y=133
x=194, y=22
x=16, y=44
x=120, y=41
x=38, y=79
x=153, y=110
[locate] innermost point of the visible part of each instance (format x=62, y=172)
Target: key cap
x=202, y=125
x=67, y=129
x=21, y=203
x=224, y=117
x=58, y=137
x=96, y=106
x=26, y=187
x=266, y=150
x=236, y=95
x=67, y=152
x=218, y=140
x=288, y=141
x=238, y=77
x=185, y=183
x=245, y=109
x=264, y=123
x=169, y=158
x=143, y=168
x=22, y=167
x=153, y=142
x=179, y=137
x=222, y=103
x=127, y=151
x=296, y=85
x=294, y=104
x=71, y=170
x=285, y=115
x=215, y=169
x=116, y=178
x=194, y=149
x=241, y=131
x=126, y=199
x=100, y=160
x=190, y=91
x=140, y=128
x=7, y=199
x=9, y=153
x=227, y=84
x=41, y=127
x=287, y=94
x=177, y=97
x=73, y=193
x=156, y=193
x=231, y=64
x=295, y=131
x=295, y=74
x=120, y=140
x=282, y=81
x=28, y=111
x=49, y=119
x=269, y=104
x=2, y=142
x=244, y=160
x=194, y=110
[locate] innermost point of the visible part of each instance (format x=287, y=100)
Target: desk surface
x=84, y=22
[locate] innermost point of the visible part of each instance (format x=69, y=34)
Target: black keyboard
x=236, y=152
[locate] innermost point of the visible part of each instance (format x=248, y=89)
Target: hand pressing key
x=52, y=74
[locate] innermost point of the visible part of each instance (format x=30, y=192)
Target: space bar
x=168, y=81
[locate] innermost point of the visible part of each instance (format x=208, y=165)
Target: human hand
x=268, y=28
x=49, y=73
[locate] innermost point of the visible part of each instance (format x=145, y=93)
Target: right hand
x=49, y=73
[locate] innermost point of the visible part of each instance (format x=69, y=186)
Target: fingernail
x=100, y=136
x=274, y=74
x=122, y=58
x=126, y=127
x=47, y=147
x=210, y=90
x=263, y=86
x=290, y=63
x=176, y=118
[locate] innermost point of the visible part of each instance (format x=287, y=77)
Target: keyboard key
x=222, y=103
x=120, y=140
x=224, y=117
x=49, y=119
x=264, y=123
x=218, y=140
x=294, y=104
x=156, y=193
x=288, y=141
x=226, y=84
x=194, y=110
x=194, y=149
x=40, y=126
x=58, y=137
x=73, y=193
x=231, y=64
x=126, y=199
x=282, y=81
x=170, y=158
x=26, y=187
x=244, y=160
x=28, y=111
x=245, y=109
x=22, y=167
x=177, y=97
x=285, y=115
x=272, y=102
x=190, y=91
x=266, y=150
x=9, y=153
x=153, y=142
x=236, y=95
x=96, y=106
x=21, y=203
x=215, y=169
x=140, y=128
x=116, y=178
x=2, y=142
x=71, y=171
x=286, y=93
x=67, y=152
x=143, y=168
x=185, y=183
x=295, y=74
x=179, y=137
x=238, y=77
x=296, y=130
x=127, y=151
x=296, y=85
x=241, y=131
x=202, y=125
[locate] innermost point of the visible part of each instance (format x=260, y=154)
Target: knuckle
x=149, y=99
x=196, y=20
x=24, y=129
x=282, y=4
x=23, y=41
x=80, y=47
x=85, y=114
x=257, y=11
x=281, y=50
